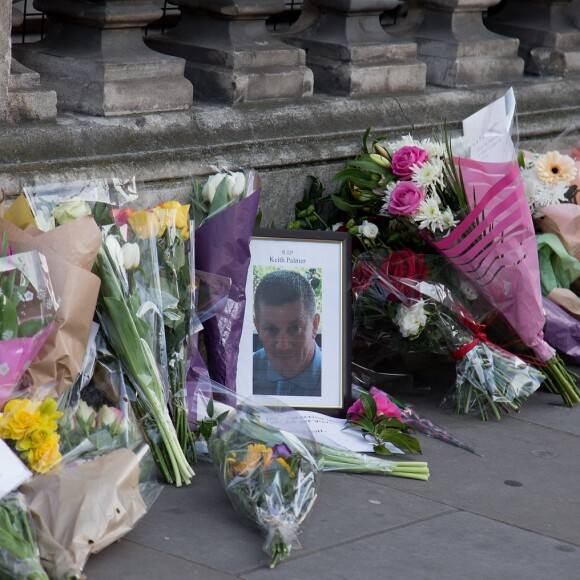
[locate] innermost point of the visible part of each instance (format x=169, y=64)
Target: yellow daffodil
x=145, y=224
x=256, y=454
x=553, y=167
x=50, y=413
x=42, y=459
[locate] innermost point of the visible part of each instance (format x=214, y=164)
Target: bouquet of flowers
x=27, y=313
x=269, y=476
x=130, y=310
x=487, y=378
x=224, y=210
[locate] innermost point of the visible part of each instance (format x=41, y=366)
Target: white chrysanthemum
x=435, y=149
x=553, y=167
x=429, y=175
x=449, y=220
x=552, y=193
x=387, y=196
x=429, y=215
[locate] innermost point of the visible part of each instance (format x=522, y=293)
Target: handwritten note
x=489, y=130
x=12, y=471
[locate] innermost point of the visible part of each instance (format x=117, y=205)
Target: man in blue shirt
x=290, y=362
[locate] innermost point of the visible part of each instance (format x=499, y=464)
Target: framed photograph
x=295, y=342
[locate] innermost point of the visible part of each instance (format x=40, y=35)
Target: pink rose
x=405, y=199
x=385, y=408
x=404, y=159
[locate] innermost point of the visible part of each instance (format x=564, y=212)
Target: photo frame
x=296, y=336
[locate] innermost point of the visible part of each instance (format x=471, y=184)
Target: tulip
x=145, y=224
x=173, y=214
x=131, y=256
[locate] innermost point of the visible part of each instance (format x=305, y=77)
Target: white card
x=13, y=472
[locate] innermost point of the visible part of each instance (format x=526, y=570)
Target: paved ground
x=512, y=514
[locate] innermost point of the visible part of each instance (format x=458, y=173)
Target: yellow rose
x=145, y=224
x=43, y=459
x=35, y=437
x=19, y=416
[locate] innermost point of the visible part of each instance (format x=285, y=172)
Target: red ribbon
x=478, y=336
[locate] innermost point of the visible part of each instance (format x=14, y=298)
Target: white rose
x=131, y=256
x=411, y=320
x=71, y=210
x=86, y=417
x=109, y=417
x=369, y=230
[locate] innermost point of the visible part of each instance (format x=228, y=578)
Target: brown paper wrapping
x=563, y=220
x=83, y=509
x=70, y=251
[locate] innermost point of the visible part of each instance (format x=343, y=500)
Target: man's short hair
x=284, y=286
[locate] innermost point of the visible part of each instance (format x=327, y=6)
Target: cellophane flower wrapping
x=130, y=311
x=268, y=463
x=27, y=312
x=19, y=555
x=222, y=247
x=422, y=307
x=562, y=331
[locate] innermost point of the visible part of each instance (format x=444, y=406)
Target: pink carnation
x=405, y=199
x=405, y=158
x=385, y=408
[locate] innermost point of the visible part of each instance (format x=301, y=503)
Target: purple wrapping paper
x=562, y=331
x=222, y=246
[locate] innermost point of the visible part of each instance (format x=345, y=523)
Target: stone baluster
x=27, y=100
x=94, y=57
x=549, y=37
x=350, y=53
x=231, y=56
x=457, y=47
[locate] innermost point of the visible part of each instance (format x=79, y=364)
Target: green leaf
x=31, y=327
x=8, y=317
x=344, y=205
x=369, y=405
x=401, y=440
x=220, y=199
x=382, y=450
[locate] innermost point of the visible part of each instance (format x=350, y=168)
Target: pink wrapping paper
x=494, y=246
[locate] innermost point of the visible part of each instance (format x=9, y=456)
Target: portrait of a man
x=286, y=319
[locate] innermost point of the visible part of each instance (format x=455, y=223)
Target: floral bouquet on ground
x=224, y=209
x=27, y=313
x=130, y=310
x=488, y=378
x=269, y=476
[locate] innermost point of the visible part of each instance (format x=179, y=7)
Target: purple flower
x=281, y=450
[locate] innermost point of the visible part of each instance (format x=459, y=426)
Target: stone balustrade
x=95, y=96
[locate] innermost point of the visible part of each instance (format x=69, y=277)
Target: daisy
x=553, y=167
x=435, y=149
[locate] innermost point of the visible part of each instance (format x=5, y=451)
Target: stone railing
x=95, y=96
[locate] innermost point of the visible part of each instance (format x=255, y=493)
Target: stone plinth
x=94, y=57
x=549, y=38
x=456, y=46
x=230, y=55
x=350, y=53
